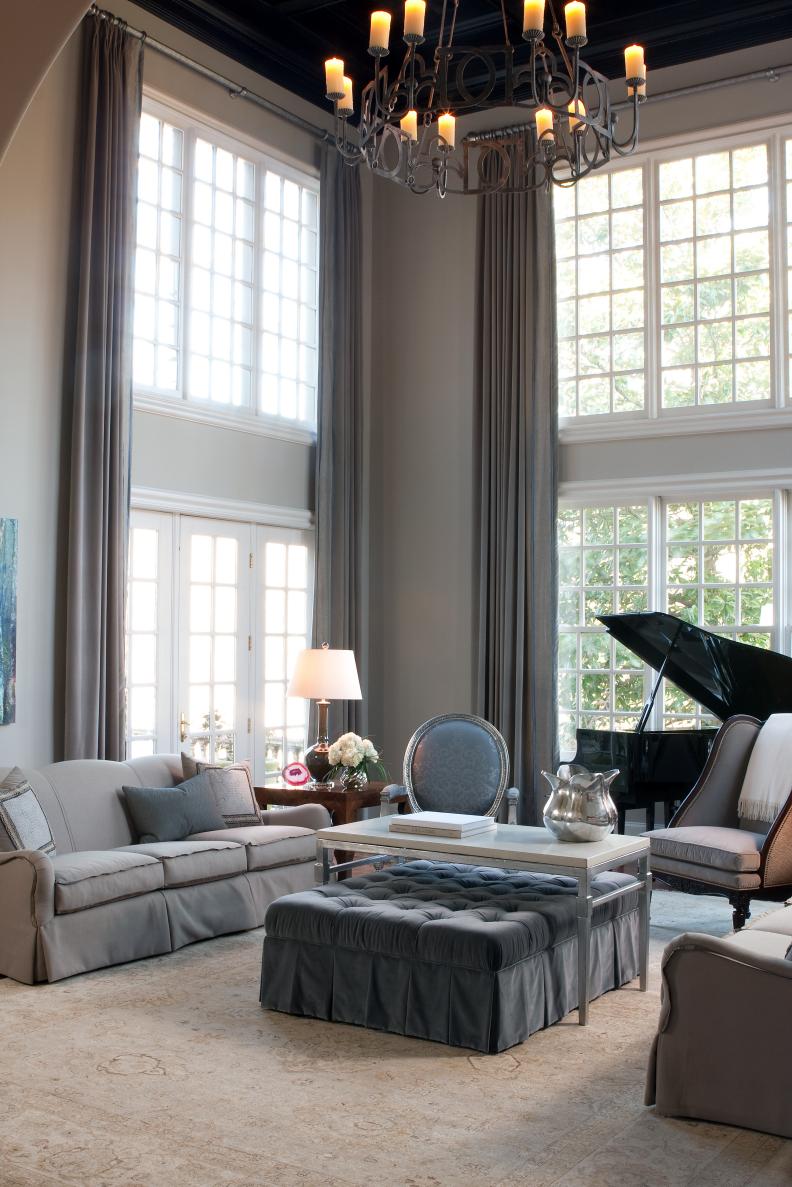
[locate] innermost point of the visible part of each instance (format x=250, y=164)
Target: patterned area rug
x=166, y=1073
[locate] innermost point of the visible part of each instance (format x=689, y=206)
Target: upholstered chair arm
x=776, y=867
x=27, y=895
x=314, y=816
x=388, y=796
x=714, y=799
x=512, y=799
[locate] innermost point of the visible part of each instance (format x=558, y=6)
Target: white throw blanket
x=768, y=780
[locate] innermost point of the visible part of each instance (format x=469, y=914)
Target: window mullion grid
x=652, y=306
x=259, y=170
x=656, y=512
x=778, y=270
x=782, y=551
x=186, y=255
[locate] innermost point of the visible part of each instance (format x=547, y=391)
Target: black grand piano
x=723, y=676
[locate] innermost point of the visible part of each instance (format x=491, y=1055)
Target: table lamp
x=323, y=674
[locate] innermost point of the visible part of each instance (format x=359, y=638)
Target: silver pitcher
x=580, y=807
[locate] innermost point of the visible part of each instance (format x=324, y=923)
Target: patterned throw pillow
x=23, y=824
x=232, y=787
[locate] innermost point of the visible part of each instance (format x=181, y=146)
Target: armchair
x=454, y=763
x=707, y=849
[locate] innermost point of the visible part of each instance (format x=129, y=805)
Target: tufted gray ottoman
x=470, y=956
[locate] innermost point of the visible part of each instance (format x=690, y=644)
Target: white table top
x=513, y=842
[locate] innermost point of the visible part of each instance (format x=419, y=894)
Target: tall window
x=226, y=273
x=716, y=568
x=667, y=275
x=285, y=595
x=603, y=569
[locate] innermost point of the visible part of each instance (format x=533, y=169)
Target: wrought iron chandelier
x=407, y=125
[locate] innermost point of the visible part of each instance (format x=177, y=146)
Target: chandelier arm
x=626, y=147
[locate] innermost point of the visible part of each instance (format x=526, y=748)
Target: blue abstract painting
x=8, y=611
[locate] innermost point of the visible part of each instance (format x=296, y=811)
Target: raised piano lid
x=723, y=676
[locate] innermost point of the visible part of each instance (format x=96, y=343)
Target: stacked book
x=442, y=824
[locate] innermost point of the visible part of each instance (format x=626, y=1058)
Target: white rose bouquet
x=354, y=759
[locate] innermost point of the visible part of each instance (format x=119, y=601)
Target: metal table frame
x=585, y=904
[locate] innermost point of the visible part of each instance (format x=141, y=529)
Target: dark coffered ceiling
x=288, y=40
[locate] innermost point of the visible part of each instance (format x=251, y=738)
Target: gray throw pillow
x=173, y=813
x=23, y=824
x=232, y=787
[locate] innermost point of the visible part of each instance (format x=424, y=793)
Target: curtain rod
x=235, y=90
x=768, y=74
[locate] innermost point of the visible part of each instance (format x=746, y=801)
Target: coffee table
x=511, y=847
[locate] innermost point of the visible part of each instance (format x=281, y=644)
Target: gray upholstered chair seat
x=736, y=850
x=725, y=881
x=776, y=921
x=185, y=862
x=267, y=845
x=92, y=877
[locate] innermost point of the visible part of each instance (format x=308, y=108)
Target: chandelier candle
x=409, y=124
x=544, y=123
x=334, y=76
x=380, y=34
x=560, y=119
x=414, y=17
x=575, y=13
x=634, y=65
x=347, y=105
x=576, y=109
x=446, y=126
x=533, y=20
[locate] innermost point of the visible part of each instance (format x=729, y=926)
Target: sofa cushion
x=759, y=943
x=173, y=813
x=187, y=862
x=91, y=877
x=731, y=849
x=23, y=824
x=690, y=872
x=269, y=845
x=779, y=921
x=232, y=787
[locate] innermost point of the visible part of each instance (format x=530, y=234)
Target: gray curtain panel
x=517, y=447
x=340, y=595
x=99, y=404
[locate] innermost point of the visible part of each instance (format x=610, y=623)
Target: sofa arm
x=312, y=816
x=27, y=894
x=388, y=796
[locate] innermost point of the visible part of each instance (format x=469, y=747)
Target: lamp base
x=316, y=760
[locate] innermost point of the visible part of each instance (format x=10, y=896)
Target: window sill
x=695, y=420
x=239, y=420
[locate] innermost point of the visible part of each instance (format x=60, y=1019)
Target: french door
x=215, y=640
x=217, y=612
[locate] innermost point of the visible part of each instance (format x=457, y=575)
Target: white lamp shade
x=323, y=674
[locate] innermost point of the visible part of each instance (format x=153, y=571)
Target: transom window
x=226, y=273
x=600, y=278
x=669, y=281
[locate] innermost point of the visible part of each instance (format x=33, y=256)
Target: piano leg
x=622, y=825
x=650, y=817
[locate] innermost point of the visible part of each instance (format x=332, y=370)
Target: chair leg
x=741, y=904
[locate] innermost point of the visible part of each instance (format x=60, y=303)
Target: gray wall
x=424, y=476
x=35, y=187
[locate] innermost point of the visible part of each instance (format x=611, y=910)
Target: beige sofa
x=723, y=1051
x=103, y=899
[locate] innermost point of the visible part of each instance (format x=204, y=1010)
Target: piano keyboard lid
x=723, y=676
